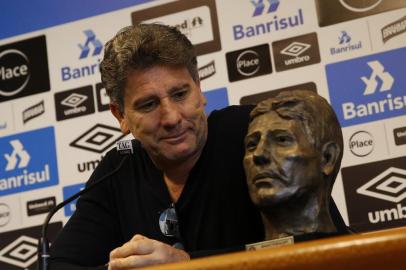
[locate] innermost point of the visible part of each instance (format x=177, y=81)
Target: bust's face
x=280, y=162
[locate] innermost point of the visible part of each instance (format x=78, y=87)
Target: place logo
x=103, y=100
x=195, y=19
x=271, y=22
x=371, y=88
x=91, y=49
x=216, y=99
x=5, y=214
x=361, y=143
x=207, y=70
x=296, y=52
x=256, y=98
x=18, y=249
x=336, y=11
x=33, y=111
x=98, y=138
x=345, y=44
x=69, y=191
x=393, y=29
x=400, y=135
x=23, y=68
x=248, y=63
x=40, y=206
x=24, y=164
x=74, y=103
x=375, y=194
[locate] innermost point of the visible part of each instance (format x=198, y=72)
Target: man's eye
x=283, y=139
x=180, y=95
x=251, y=144
x=147, y=106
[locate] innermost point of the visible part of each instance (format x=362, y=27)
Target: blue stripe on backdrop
x=23, y=16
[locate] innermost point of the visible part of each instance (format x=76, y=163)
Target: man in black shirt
x=183, y=192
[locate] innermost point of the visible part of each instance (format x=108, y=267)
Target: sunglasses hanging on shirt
x=168, y=223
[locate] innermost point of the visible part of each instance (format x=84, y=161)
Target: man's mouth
x=266, y=179
x=175, y=138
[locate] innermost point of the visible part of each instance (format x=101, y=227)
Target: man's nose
x=261, y=155
x=261, y=160
x=170, y=115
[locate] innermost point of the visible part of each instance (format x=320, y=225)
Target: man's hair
x=317, y=117
x=140, y=47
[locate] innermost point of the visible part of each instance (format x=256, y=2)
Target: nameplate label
x=284, y=241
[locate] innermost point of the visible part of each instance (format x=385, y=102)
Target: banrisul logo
x=260, y=7
x=88, y=51
x=91, y=44
x=24, y=165
x=376, y=194
x=368, y=88
x=270, y=20
x=345, y=43
x=23, y=68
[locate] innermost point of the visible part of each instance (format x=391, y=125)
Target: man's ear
x=201, y=93
x=330, y=154
x=115, y=110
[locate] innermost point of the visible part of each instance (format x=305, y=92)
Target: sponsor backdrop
x=55, y=125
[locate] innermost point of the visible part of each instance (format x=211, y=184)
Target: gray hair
x=140, y=47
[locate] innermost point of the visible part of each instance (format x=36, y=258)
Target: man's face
x=280, y=162
x=164, y=110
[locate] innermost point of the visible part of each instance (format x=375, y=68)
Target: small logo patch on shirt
x=124, y=147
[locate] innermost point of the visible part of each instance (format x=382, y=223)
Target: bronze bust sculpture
x=293, y=155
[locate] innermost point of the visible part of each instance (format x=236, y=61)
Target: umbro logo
x=296, y=52
x=21, y=252
x=390, y=185
x=375, y=194
x=18, y=248
x=74, y=103
x=295, y=49
x=74, y=100
x=98, y=138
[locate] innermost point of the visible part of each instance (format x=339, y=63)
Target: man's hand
x=142, y=251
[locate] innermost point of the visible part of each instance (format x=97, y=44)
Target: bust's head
x=293, y=148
